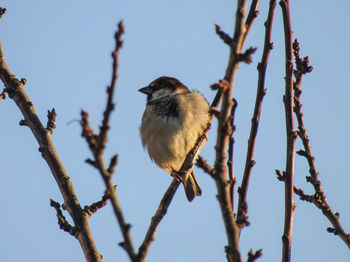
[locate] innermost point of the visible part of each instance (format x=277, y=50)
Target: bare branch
x=246, y=57
x=319, y=198
x=113, y=163
x=203, y=164
x=260, y=93
x=156, y=219
x=51, y=118
x=253, y=256
x=168, y=196
x=110, y=90
x=232, y=179
x=97, y=144
x=290, y=134
x=224, y=36
x=15, y=89
x=97, y=205
x=302, y=195
x=62, y=222
x=223, y=137
x=252, y=14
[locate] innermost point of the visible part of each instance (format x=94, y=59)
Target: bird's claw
x=176, y=175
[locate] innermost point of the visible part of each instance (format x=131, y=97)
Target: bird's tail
x=191, y=186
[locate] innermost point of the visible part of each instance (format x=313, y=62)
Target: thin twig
x=290, y=135
x=252, y=14
x=51, y=118
x=224, y=36
x=97, y=205
x=203, y=164
x=15, y=90
x=319, y=198
x=110, y=90
x=260, y=93
x=62, y=222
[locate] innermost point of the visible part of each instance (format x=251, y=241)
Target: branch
x=62, y=222
x=319, y=198
x=232, y=179
x=290, y=134
x=252, y=14
x=224, y=36
x=51, y=118
x=203, y=164
x=15, y=90
x=168, y=196
x=97, y=205
x=253, y=256
x=260, y=93
x=97, y=144
x=223, y=85
x=110, y=90
x=156, y=219
x=223, y=138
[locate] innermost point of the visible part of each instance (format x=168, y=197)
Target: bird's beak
x=146, y=90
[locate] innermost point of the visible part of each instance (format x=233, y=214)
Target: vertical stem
x=290, y=134
x=261, y=91
x=221, y=177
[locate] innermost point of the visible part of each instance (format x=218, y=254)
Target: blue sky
x=63, y=50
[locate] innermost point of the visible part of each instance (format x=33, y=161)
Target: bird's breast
x=169, y=139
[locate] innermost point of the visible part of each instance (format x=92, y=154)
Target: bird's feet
x=177, y=175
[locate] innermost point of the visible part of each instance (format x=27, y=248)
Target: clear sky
x=63, y=50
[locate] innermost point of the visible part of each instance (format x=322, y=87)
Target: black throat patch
x=166, y=106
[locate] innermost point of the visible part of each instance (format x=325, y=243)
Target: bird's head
x=163, y=86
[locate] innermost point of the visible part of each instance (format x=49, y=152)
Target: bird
x=173, y=120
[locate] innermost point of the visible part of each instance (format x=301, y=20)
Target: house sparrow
x=173, y=120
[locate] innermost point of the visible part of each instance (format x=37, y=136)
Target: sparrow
x=173, y=120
